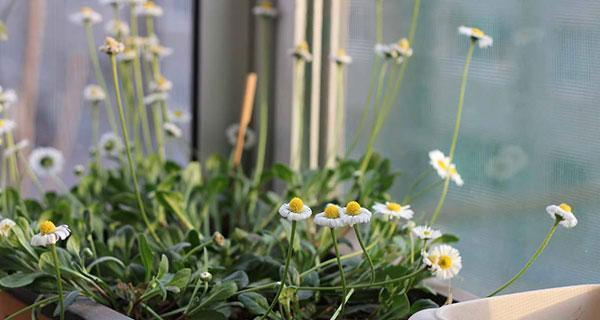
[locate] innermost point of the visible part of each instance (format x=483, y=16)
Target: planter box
x=82, y=309
x=566, y=303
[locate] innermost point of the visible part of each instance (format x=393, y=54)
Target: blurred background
x=529, y=137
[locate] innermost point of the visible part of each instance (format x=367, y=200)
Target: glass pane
x=529, y=135
x=55, y=57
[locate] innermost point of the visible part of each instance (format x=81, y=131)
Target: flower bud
x=206, y=276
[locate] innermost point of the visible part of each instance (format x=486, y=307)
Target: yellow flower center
x=394, y=206
x=86, y=11
x=266, y=4
x=565, y=207
x=477, y=33
x=341, y=52
x=404, y=44
x=2, y=123
x=445, y=262
x=5, y=227
x=149, y=5
x=47, y=227
x=178, y=113
x=332, y=211
x=296, y=205
x=303, y=46
x=353, y=208
x=442, y=164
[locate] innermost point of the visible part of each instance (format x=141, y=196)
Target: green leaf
x=17, y=280
x=282, y=172
x=446, y=238
x=73, y=244
x=173, y=201
x=254, y=302
x=239, y=277
x=145, y=256
x=221, y=292
x=192, y=174
x=205, y=314
x=105, y=259
x=163, y=266
x=181, y=278
x=422, y=304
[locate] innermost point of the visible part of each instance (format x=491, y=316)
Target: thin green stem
x=341, y=267
x=461, y=100
x=378, y=21
x=362, y=285
x=364, y=115
x=136, y=187
x=95, y=131
x=413, y=21
x=99, y=76
x=364, y=249
x=333, y=260
x=14, y=173
x=158, y=131
x=61, y=299
x=298, y=115
x=139, y=87
x=535, y=255
x=285, y=271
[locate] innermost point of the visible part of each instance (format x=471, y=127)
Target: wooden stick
x=315, y=94
x=245, y=116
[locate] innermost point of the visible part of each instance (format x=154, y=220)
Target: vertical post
x=315, y=98
x=296, y=140
x=195, y=90
x=334, y=36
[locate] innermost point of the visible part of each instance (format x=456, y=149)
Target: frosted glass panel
x=530, y=133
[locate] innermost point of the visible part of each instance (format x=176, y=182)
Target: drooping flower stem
x=99, y=77
x=95, y=131
x=535, y=255
x=461, y=100
x=139, y=88
x=285, y=271
x=341, y=267
x=61, y=299
x=364, y=249
x=136, y=187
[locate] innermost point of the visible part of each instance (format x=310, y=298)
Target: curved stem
x=99, y=77
x=363, y=285
x=535, y=255
x=461, y=100
x=136, y=187
x=333, y=260
x=339, y=262
x=61, y=299
x=364, y=249
x=31, y=307
x=285, y=272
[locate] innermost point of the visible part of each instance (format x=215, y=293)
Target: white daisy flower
x=232, y=133
x=157, y=50
x=78, y=170
x=112, y=46
x=94, y=93
x=341, y=57
x=353, y=214
x=149, y=9
x=7, y=98
x=9, y=152
x=393, y=210
x=179, y=116
x=444, y=261
x=265, y=9
x=302, y=52
x=6, y=126
x=162, y=85
x=127, y=55
x=155, y=97
x=382, y=50
x=46, y=161
x=564, y=212
x=402, y=49
x=110, y=145
x=426, y=233
x=330, y=217
x=483, y=40
x=172, y=130
x=117, y=28
x=442, y=165
x=50, y=234
x=85, y=15
x=295, y=210
x=5, y=226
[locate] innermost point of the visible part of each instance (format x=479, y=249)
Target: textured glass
x=530, y=133
x=58, y=116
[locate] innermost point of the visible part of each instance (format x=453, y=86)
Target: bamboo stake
x=245, y=116
x=315, y=99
